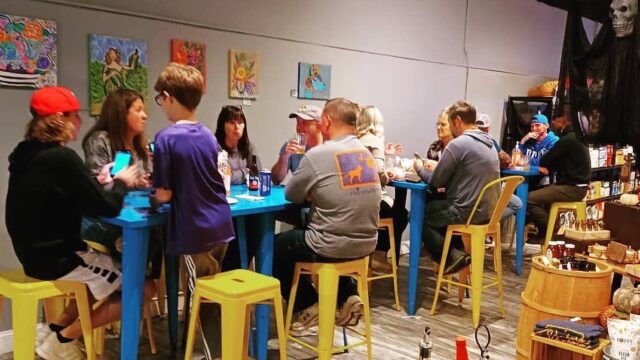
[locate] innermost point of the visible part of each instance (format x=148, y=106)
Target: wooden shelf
x=601, y=199
x=605, y=168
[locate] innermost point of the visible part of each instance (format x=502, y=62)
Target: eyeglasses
x=162, y=96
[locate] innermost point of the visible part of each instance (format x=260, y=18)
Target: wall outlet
x=293, y=93
x=246, y=102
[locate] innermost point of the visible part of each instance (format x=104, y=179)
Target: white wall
x=405, y=56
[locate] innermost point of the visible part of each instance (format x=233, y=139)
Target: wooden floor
x=395, y=335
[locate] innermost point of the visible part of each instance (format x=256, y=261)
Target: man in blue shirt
x=537, y=142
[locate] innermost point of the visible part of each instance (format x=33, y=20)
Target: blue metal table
x=416, y=219
x=522, y=191
x=135, y=243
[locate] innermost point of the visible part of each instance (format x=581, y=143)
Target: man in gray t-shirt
x=340, y=181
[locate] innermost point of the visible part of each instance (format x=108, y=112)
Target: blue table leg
x=171, y=273
x=242, y=241
x=134, y=259
x=264, y=265
x=522, y=191
x=416, y=219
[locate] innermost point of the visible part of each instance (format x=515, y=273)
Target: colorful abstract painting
x=115, y=63
x=189, y=53
x=358, y=169
x=28, y=53
x=314, y=81
x=244, y=74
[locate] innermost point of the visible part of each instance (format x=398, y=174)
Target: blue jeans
x=437, y=217
x=290, y=247
x=512, y=207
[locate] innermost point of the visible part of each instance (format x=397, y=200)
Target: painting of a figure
x=115, y=63
x=314, y=81
x=28, y=53
x=189, y=53
x=244, y=74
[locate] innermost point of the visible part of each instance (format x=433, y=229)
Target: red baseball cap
x=54, y=99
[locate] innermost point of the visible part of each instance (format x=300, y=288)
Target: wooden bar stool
x=388, y=223
x=328, y=276
x=235, y=291
x=25, y=292
x=581, y=214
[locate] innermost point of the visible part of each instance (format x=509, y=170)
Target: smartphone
x=152, y=146
x=122, y=160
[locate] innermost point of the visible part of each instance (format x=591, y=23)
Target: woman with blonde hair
x=444, y=136
x=370, y=130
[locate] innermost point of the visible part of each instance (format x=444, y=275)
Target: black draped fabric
x=600, y=81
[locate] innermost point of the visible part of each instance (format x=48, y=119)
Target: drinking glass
x=302, y=143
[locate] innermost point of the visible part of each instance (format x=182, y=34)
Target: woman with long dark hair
x=233, y=136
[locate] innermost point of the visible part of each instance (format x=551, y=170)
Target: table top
x=533, y=171
x=274, y=202
x=409, y=185
x=132, y=218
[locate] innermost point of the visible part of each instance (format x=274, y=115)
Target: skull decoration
x=623, y=15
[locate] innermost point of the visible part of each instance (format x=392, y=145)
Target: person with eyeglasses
x=185, y=174
x=233, y=137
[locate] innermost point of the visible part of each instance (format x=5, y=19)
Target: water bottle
x=225, y=170
x=516, y=155
x=426, y=345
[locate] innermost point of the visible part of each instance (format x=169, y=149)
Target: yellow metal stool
x=235, y=291
x=388, y=223
x=581, y=214
x=25, y=292
x=328, y=276
x=474, y=235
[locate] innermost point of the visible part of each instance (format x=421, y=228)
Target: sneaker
x=306, y=318
x=351, y=312
x=458, y=264
x=52, y=349
x=42, y=334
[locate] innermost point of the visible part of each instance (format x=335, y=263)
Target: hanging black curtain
x=599, y=82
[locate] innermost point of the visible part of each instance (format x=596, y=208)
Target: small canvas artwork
x=115, y=63
x=244, y=74
x=314, y=81
x=28, y=52
x=189, y=53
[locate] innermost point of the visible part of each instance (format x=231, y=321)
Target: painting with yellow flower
x=244, y=74
x=28, y=52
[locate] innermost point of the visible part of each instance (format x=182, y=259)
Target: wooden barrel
x=552, y=293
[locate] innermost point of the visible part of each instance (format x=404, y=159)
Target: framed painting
x=244, y=74
x=115, y=63
x=314, y=81
x=189, y=53
x=28, y=52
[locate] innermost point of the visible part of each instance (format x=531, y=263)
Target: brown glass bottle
x=254, y=174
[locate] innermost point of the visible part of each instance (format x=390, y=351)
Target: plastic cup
x=302, y=143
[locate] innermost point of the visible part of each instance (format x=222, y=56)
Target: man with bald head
x=340, y=180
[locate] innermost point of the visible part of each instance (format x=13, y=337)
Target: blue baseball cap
x=539, y=119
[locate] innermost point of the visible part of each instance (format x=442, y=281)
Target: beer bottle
x=254, y=174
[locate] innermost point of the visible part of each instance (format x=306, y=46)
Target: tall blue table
x=266, y=210
x=522, y=191
x=416, y=219
x=135, y=244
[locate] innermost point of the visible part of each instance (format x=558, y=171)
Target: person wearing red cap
x=49, y=192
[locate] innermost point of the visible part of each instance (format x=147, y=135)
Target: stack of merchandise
x=584, y=336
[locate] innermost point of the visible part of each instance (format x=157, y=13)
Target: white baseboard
x=6, y=340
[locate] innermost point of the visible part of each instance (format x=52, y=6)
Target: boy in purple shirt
x=186, y=174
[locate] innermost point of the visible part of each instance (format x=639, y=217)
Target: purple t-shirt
x=185, y=161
